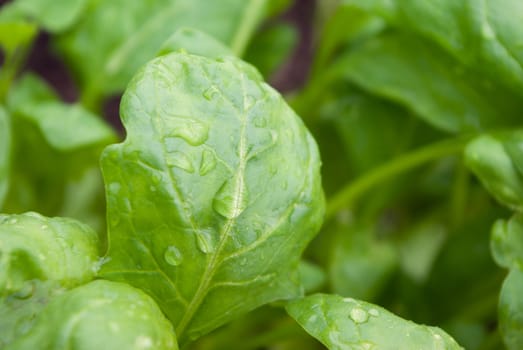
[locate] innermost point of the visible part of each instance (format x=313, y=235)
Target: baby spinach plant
x=214, y=223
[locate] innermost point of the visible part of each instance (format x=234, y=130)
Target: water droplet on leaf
x=25, y=292
x=193, y=131
x=374, y=312
x=260, y=122
x=173, y=256
x=208, y=162
x=359, y=315
x=231, y=199
x=204, y=242
x=209, y=93
x=180, y=160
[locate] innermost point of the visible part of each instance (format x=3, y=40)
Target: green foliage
x=209, y=228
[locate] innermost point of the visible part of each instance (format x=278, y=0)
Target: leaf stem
x=347, y=195
x=250, y=20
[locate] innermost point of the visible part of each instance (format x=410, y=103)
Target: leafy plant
x=207, y=226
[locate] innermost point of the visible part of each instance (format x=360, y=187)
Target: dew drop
x=114, y=187
x=209, y=93
x=204, y=242
x=25, y=292
x=208, y=162
x=173, y=256
x=231, y=199
x=193, y=131
x=44, y=227
x=374, y=312
x=249, y=102
x=260, y=122
x=180, y=160
x=359, y=315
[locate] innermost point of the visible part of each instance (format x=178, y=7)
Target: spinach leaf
x=195, y=42
x=425, y=79
x=214, y=194
x=489, y=158
x=511, y=309
x=104, y=61
x=35, y=247
x=345, y=323
x=481, y=34
x=507, y=242
x=54, y=16
x=99, y=315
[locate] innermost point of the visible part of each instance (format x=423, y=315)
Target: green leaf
x=426, y=80
x=488, y=158
x=312, y=276
x=485, y=35
x=214, y=194
x=5, y=153
x=99, y=315
x=271, y=46
x=19, y=310
x=105, y=60
x=53, y=15
x=15, y=34
x=67, y=127
x=345, y=323
x=36, y=247
x=507, y=242
x=195, y=42
x=511, y=310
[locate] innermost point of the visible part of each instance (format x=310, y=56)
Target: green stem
x=347, y=195
x=250, y=20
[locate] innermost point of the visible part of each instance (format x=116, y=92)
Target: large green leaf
x=511, y=310
x=5, y=152
x=345, y=323
x=36, y=247
x=105, y=60
x=484, y=34
x=214, y=194
x=99, y=315
x=428, y=81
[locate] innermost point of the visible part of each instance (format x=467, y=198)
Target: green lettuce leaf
x=345, y=323
x=214, y=194
x=99, y=315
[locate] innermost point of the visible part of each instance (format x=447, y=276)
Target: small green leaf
x=53, y=15
x=511, y=310
x=214, y=228
x=36, y=247
x=99, y=315
x=195, y=42
x=15, y=34
x=67, y=127
x=345, y=323
x=487, y=157
x=507, y=242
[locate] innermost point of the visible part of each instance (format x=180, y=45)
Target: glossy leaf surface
x=345, y=323
x=213, y=195
x=36, y=247
x=99, y=315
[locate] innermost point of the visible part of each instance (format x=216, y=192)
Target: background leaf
x=345, y=323
x=511, y=309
